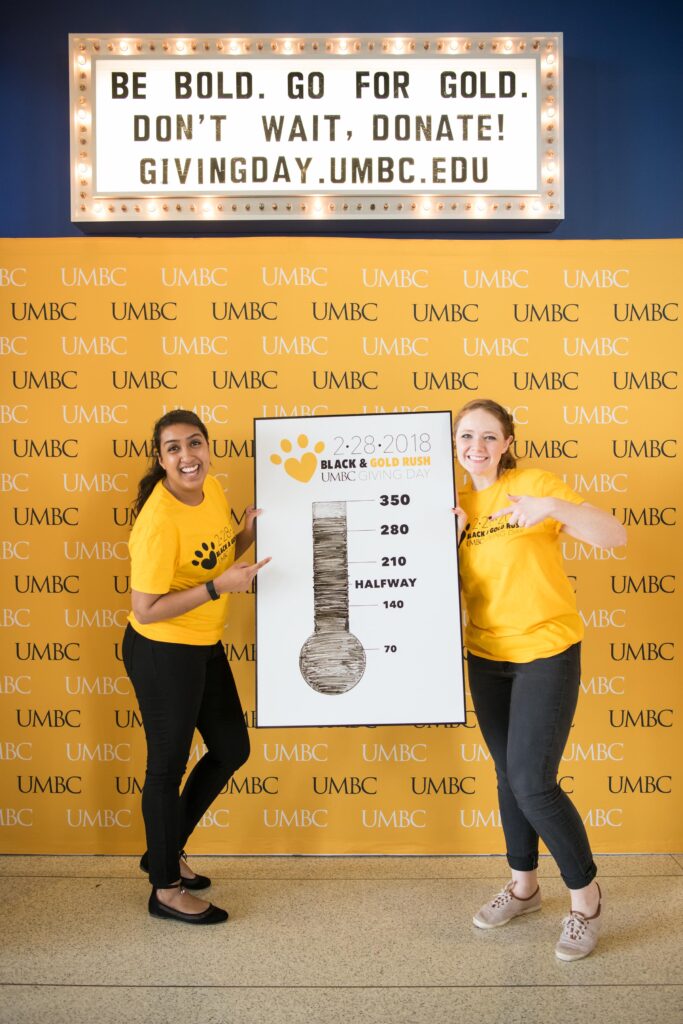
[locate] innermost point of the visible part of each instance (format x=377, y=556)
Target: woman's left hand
x=525, y=510
x=250, y=515
x=245, y=538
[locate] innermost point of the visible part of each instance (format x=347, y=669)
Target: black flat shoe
x=212, y=915
x=191, y=884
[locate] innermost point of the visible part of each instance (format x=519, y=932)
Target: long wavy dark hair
x=156, y=472
x=507, y=460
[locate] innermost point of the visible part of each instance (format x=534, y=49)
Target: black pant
x=525, y=712
x=181, y=687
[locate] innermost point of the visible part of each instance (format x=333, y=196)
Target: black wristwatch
x=213, y=593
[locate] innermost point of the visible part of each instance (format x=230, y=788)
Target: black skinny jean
x=181, y=687
x=525, y=712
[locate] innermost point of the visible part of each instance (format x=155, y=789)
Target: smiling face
x=184, y=455
x=480, y=443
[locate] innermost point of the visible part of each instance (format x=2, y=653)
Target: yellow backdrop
x=99, y=337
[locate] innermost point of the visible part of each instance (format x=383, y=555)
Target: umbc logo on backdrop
x=52, y=784
x=144, y=149
x=50, y=448
x=150, y=380
x=649, y=516
x=45, y=311
x=649, y=380
x=251, y=310
x=450, y=313
x=145, y=311
x=48, y=584
x=250, y=380
x=643, y=584
x=352, y=311
x=648, y=650
x=651, y=312
x=648, y=448
x=299, y=345
x=51, y=650
x=644, y=785
x=451, y=380
x=50, y=515
x=50, y=380
x=96, y=346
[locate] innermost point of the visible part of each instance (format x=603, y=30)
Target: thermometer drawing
x=332, y=660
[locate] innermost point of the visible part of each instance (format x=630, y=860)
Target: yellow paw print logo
x=303, y=467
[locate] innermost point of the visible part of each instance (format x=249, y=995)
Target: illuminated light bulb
x=82, y=115
x=508, y=44
x=123, y=46
x=81, y=60
x=343, y=46
x=398, y=46
x=550, y=166
x=551, y=112
x=480, y=206
x=180, y=46
x=550, y=59
x=152, y=208
x=234, y=46
x=426, y=207
x=536, y=206
x=453, y=45
x=288, y=45
x=97, y=209
x=318, y=206
x=206, y=208
x=83, y=168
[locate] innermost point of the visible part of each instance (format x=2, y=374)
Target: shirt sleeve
x=153, y=547
x=553, y=487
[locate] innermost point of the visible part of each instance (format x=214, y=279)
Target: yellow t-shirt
x=520, y=604
x=174, y=546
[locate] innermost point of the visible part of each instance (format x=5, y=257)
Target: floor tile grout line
x=362, y=988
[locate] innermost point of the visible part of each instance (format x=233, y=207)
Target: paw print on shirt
x=207, y=555
x=302, y=468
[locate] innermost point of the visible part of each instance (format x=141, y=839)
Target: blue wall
x=623, y=137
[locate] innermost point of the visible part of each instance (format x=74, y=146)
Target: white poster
x=358, y=614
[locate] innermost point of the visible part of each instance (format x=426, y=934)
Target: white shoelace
x=503, y=897
x=574, y=926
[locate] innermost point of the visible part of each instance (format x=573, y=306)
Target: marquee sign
x=445, y=127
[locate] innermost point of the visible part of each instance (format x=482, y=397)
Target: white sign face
x=333, y=126
x=214, y=128
x=358, y=614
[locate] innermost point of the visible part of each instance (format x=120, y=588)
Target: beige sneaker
x=504, y=906
x=579, y=934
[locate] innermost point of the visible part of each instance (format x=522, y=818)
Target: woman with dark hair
x=523, y=639
x=183, y=551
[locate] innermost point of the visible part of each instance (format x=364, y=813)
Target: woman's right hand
x=462, y=519
x=238, y=577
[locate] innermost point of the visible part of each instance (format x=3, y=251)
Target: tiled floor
x=327, y=940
